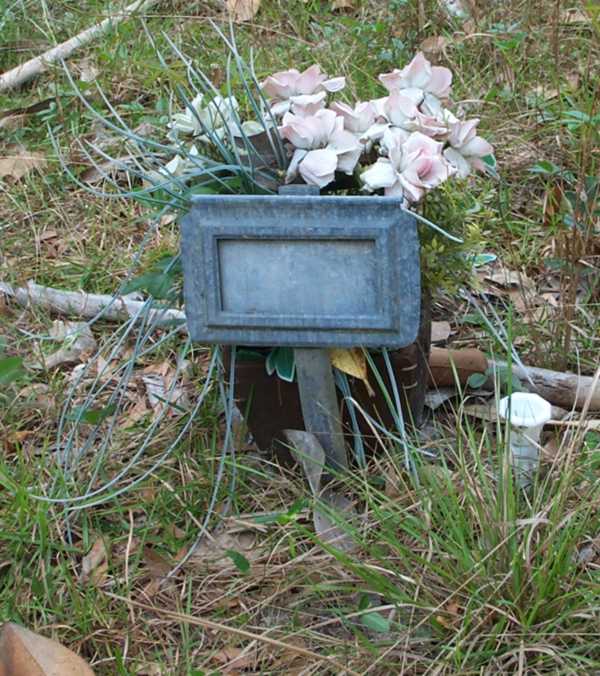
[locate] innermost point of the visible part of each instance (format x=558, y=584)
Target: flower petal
x=440, y=81
x=379, y=175
x=310, y=80
x=308, y=104
x=292, y=170
x=334, y=84
x=318, y=167
x=477, y=147
x=391, y=81
x=462, y=166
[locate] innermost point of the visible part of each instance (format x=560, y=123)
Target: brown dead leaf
x=159, y=568
x=94, y=565
x=507, y=278
x=213, y=549
x=440, y=331
x=19, y=163
x=451, y=615
x=342, y=4
x=158, y=380
x=16, y=118
x=24, y=653
x=574, y=15
x=434, y=45
x=242, y=10
x=232, y=657
x=78, y=344
x=12, y=122
x=38, y=396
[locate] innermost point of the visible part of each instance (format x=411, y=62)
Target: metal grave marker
x=306, y=271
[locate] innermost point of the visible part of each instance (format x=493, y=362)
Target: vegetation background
x=453, y=572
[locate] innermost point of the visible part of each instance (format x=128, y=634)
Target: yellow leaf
x=242, y=10
x=352, y=361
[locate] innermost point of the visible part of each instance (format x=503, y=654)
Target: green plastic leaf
x=490, y=165
x=376, y=622
x=239, y=560
x=476, y=380
x=91, y=416
x=545, y=167
x=483, y=259
x=11, y=369
x=285, y=364
x=281, y=361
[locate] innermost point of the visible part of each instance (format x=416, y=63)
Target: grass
x=457, y=573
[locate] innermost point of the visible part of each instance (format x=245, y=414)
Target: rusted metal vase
x=271, y=405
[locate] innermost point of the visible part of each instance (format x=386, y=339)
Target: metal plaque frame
x=350, y=263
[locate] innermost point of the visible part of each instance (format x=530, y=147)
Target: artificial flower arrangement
x=406, y=143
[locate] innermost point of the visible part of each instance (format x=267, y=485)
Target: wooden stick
x=87, y=305
x=33, y=67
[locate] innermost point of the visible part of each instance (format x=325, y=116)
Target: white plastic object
x=527, y=413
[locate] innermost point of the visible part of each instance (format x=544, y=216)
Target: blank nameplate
x=304, y=271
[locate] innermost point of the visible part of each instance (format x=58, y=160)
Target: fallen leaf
x=162, y=392
x=94, y=565
x=24, y=653
x=507, y=278
x=242, y=10
x=342, y=4
x=16, y=118
x=20, y=163
x=159, y=568
x=235, y=658
x=434, y=45
x=353, y=362
x=336, y=508
x=440, y=331
x=88, y=72
x=78, y=344
x=574, y=15
x=216, y=549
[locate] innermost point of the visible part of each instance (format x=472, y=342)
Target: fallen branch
x=567, y=390
x=33, y=67
x=88, y=305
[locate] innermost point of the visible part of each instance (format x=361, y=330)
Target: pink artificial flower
x=415, y=165
x=321, y=147
x=357, y=119
x=399, y=110
x=466, y=149
x=421, y=76
x=307, y=104
x=282, y=87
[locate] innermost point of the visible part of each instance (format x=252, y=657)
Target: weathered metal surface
x=319, y=404
x=301, y=270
